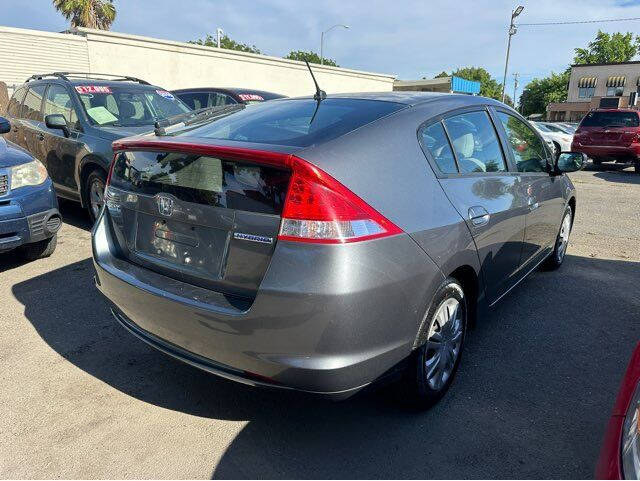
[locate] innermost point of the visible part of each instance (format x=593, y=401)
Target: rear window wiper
x=176, y=122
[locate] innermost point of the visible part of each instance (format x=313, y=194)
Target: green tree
x=310, y=57
x=489, y=87
x=98, y=14
x=226, y=42
x=540, y=92
x=605, y=48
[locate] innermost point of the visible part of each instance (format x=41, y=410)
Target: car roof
x=92, y=81
x=234, y=90
x=410, y=97
x=403, y=97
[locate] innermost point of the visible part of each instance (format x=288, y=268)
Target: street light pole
x=322, y=40
x=512, y=31
x=219, y=34
x=515, y=88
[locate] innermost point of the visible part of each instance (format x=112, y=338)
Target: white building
x=169, y=64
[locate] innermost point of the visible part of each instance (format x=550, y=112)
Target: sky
x=407, y=38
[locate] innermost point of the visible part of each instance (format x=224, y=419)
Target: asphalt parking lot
x=80, y=397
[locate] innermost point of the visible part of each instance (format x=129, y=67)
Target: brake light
x=113, y=163
x=317, y=207
x=320, y=209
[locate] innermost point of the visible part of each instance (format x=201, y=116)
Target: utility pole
x=515, y=88
x=512, y=31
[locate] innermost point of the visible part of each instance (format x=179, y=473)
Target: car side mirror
x=57, y=121
x=5, y=125
x=570, y=162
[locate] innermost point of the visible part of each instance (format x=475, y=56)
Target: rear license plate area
x=193, y=249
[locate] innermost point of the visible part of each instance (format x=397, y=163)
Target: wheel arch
x=572, y=203
x=87, y=165
x=469, y=280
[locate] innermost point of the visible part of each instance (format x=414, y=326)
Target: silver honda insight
x=323, y=244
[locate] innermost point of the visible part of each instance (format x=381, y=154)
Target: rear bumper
x=324, y=321
x=608, y=151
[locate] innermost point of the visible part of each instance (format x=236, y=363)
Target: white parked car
x=556, y=137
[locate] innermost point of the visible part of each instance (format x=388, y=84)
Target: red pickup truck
x=610, y=135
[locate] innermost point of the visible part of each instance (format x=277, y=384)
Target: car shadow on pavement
x=613, y=172
x=623, y=176
x=536, y=385
x=73, y=213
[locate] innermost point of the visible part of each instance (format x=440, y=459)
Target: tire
x=93, y=193
x=433, y=365
x=596, y=161
x=555, y=260
x=41, y=249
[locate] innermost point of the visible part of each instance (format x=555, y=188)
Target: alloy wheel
x=563, y=237
x=96, y=196
x=444, y=343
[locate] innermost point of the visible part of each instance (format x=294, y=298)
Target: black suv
x=68, y=121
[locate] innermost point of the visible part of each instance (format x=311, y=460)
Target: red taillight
x=113, y=163
x=317, y=207
x=320, y=209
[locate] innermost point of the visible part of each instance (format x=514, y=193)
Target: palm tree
x=98, y=14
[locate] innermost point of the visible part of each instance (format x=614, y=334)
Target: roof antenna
x=320, y=95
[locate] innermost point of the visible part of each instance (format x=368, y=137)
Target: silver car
x=326, y=244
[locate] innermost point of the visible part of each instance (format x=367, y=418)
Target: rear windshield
x=611, y=119
x=298, y=123
x=202, y=180
x=123, y=106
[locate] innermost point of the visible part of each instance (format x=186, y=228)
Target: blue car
x=29, y=216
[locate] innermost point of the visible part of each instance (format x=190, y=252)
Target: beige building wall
x=169, y=64
x=602, y=72
x=26, y=52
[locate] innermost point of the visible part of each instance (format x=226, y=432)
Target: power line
x=578, y=22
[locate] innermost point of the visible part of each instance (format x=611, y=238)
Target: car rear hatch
x=206, y=219
x=608, y=128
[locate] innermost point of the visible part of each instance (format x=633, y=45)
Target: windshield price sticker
x=93, y=89
x=165, y=94
x=250, y=97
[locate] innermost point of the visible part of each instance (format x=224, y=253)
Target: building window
x=586, y=92
x=615, y=91
x=615, y=86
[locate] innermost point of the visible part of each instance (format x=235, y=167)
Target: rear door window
x=475, y=143
x=32, y=105
x=300, y=122
x=434, y=139
x=13, y=108
x=525, y=144
x=611, y=119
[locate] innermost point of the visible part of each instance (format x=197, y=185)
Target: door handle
x=533, y=205
x=40, y=136
x=479, y=216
